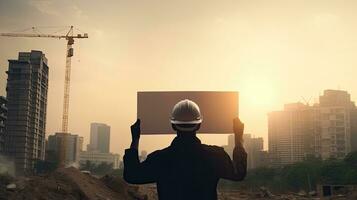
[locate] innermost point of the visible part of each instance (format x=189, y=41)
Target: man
x=186, y=169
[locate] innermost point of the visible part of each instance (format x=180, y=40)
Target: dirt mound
x=67, y=184
x=89, y=186
x=118, y=185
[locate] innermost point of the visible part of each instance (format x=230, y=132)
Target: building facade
x=335, y=124
x=27, y=85
x=327, y=129
x=230, y=146
x=99, y=138
x=254, y=147
x=3, y=117
x=72, y=143
x=291, y=134
x=99, y=157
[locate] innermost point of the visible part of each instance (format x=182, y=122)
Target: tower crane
x=69, y=36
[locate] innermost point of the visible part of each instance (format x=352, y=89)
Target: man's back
x=185, y=170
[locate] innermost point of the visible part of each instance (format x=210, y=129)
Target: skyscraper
x=291, y=134
x=254, y=146
x=26, y=89
x=3, y=117
x=333, y=138
x=326, y=130
x=99, y=138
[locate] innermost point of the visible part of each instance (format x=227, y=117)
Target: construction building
x=291, y=134
x=334, y=131
x=325, y=130
x=3, y=117
x=98, y=147
x=73, y=146
x=230, y=146
x=254, y=147
x=97, y=158
x=99, y=138
x=27, y=85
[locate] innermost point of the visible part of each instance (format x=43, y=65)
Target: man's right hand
x=238, y=129
x=135, y=134
x=135, y=130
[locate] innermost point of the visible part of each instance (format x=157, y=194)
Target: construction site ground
x=71, y=184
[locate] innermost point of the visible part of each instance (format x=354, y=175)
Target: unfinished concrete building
x=254, y=146
x=73, y=146
x=26, y=89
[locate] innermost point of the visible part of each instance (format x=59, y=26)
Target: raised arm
x=134, y=171
x=236, y=170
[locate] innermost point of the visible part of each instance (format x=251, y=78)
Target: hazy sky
x=272, y=52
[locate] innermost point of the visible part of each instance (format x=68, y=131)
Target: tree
x=103, y=168
x=88, y=166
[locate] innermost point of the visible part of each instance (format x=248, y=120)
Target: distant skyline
x=272, y=52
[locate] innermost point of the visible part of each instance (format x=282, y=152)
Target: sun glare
x=258, y=93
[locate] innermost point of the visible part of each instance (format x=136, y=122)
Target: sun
x=258, y=92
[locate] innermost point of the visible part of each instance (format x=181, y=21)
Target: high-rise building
x=3, y=116
x=254, y=147
x=26, y=89
x=72, y=146
x=334, y=119
x=326, y=130
x=291, y=134
x=230, y=146
x=99, y=138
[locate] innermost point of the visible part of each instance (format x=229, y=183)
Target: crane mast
x=67, y=81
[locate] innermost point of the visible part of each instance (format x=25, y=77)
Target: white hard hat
x=186, y=112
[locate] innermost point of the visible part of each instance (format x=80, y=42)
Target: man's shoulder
x=159, y=153
x=214, y=153
x=213, y=149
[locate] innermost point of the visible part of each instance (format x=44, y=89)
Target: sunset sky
x=272, y=52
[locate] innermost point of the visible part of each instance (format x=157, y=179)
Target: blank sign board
x=218, y=110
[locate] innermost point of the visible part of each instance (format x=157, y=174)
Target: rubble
x=261, y=193
x=265, y=192
x=312, y=193
x=71, y=184
x=118, y=185
x=66, y=184
x=11, y=186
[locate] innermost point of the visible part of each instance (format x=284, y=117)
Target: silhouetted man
x=186, y=169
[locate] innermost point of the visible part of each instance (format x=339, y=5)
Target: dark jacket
x=186, y=169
